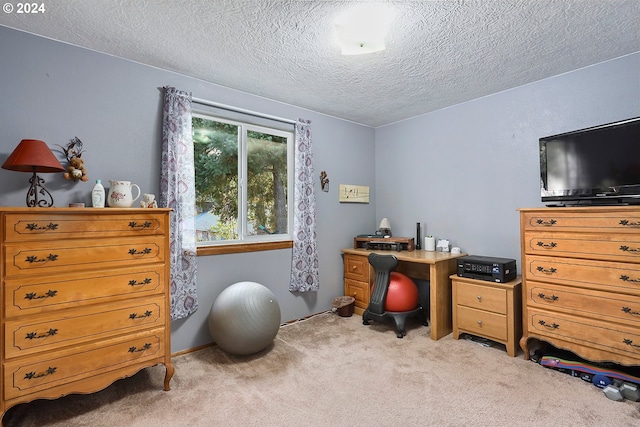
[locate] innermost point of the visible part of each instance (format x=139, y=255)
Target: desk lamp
x=32, y=155
x=385, y=227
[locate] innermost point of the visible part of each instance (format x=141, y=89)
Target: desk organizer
x=385, y=244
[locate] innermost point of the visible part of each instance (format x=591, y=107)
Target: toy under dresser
x=581, y=281
x=85, y=299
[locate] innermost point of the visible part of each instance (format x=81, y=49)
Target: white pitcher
x=120, y=194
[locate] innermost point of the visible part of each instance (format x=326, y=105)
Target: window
x=244, y=177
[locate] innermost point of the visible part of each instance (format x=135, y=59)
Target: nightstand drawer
x=481, y=297
x=483, y=323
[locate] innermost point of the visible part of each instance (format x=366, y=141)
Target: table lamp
x=32, y=155
x=385, y=227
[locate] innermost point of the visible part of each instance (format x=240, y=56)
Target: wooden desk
x=358, y=275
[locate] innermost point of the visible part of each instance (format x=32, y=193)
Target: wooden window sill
x=235, y=248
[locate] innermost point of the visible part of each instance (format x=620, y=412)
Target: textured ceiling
x=439, y=53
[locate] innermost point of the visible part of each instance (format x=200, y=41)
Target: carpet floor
x=333, y=371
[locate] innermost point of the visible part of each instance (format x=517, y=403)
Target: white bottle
x=97, y=195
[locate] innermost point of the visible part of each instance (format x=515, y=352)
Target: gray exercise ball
x=244, y=318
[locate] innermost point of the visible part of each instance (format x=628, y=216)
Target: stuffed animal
x=76, y=170
x=73, y=152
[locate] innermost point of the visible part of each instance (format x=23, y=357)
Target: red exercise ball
x=402, y=294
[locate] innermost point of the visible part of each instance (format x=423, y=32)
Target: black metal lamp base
x=37, y=188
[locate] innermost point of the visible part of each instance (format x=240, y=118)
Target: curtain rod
x=241, y=110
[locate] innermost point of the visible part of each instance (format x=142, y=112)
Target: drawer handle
x=34, y=295
x=34, y=258
x=34, y=335
x=140, y=316
x=627, y=223
x=626, y=278
x=549, y=223
x=479, y=298
x=549, y=245
x=546, y=298
x=625, y=248
x=480, y=322
x=629, y=311
x=551, y=270
x=36, y=227
x=145, y=224
x=32, y=375
x=627, y=341
x=551, y=326
x=134, y=251
x=134, y=282
x=134, y=349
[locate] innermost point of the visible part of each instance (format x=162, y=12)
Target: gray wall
x=53, y=91
x=465, y=170
x=462, y=171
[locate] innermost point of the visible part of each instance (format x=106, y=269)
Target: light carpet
x=333, y=371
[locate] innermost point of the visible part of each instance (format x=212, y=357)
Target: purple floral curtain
x=304, y=265
x=177, y=185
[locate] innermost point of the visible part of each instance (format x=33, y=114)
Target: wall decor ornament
x=75, y=170
x=354, y=193
x=324, y=181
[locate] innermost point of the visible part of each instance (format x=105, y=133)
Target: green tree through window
x=242, y=180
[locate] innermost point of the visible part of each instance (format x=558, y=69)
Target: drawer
x=607, y=336
x=80, y=255
x=613, y=247
x=483, y=323
x=576, y=221
x=31, y=375
x=54, y=292
x=481, y=297
x=599, y=275
x=356, y=268
x=588, y=303
x=359, y=290
x=82, y=226
x=53, y=331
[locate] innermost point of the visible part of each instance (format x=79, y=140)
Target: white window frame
x=243, y=128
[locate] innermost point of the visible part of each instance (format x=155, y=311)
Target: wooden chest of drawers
x=487, y=309
x=85, y=299
x=581, y=275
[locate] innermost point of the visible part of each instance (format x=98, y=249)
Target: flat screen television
x=597, y=165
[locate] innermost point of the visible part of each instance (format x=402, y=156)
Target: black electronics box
x=491, y=269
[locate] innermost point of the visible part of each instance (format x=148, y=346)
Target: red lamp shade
x=32, y=155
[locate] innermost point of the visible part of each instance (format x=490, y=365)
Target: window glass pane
x=216, y=169
x=266, y=184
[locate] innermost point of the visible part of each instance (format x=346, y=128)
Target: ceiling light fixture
x=362, y=29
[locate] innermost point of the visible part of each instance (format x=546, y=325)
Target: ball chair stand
x=383, y=266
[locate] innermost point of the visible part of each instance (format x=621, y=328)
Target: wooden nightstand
x=488, y=309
